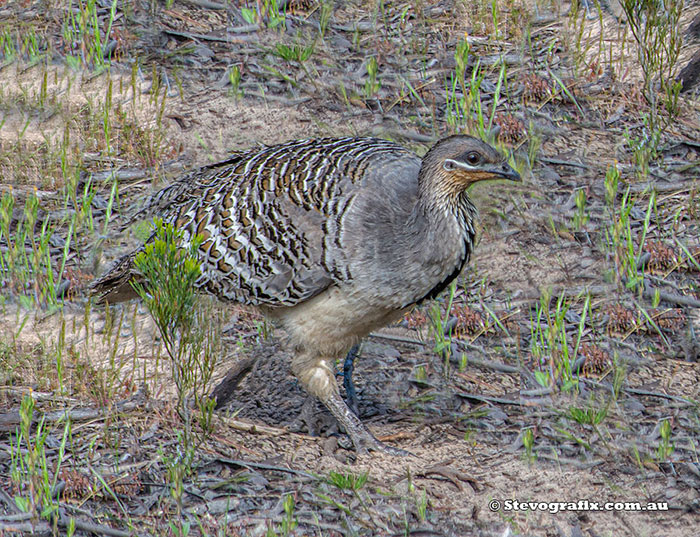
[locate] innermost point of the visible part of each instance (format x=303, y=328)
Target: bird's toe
x=365, y=442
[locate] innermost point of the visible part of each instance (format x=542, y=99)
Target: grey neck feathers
x=437, y=201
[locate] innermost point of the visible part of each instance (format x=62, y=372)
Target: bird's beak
x=504, y=171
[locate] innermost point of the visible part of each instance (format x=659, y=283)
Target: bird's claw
x=391, y=450
x=366, y=442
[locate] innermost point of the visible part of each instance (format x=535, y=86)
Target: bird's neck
x=440, y=202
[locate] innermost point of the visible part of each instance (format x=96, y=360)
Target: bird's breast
x=334, y=320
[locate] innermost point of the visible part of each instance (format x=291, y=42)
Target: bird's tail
x=115, y=284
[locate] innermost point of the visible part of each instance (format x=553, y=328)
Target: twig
x=252, y=427
x=10, y=420
x=26, y=528
x=245, y=29
x=207, y=4
x=639, y=391
x=214, y=38
x=564, y=163
x=262, y=466
x=650, y=292
x=443, y=471
x=357, y=26
x=490, y=399
x=97, y=529
x=495, y=366
x=121, y=175
x=21, y=517
x=538, y=392
x=671, y=187
x=14, y=523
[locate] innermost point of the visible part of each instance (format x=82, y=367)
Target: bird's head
x=455, y=163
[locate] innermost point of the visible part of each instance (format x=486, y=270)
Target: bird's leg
x=316, y=374
x=348, y=367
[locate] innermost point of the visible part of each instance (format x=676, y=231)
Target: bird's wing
x=266, y=216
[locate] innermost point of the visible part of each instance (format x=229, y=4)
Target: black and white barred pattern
x=263, y=215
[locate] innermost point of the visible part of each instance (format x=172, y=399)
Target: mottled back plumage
x=266, y=217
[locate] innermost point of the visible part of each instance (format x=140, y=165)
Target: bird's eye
x=473, y=158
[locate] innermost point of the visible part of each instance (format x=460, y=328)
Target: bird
x=330, y=238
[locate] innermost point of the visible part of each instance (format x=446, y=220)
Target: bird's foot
x=367, y=442
x=361, y=438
